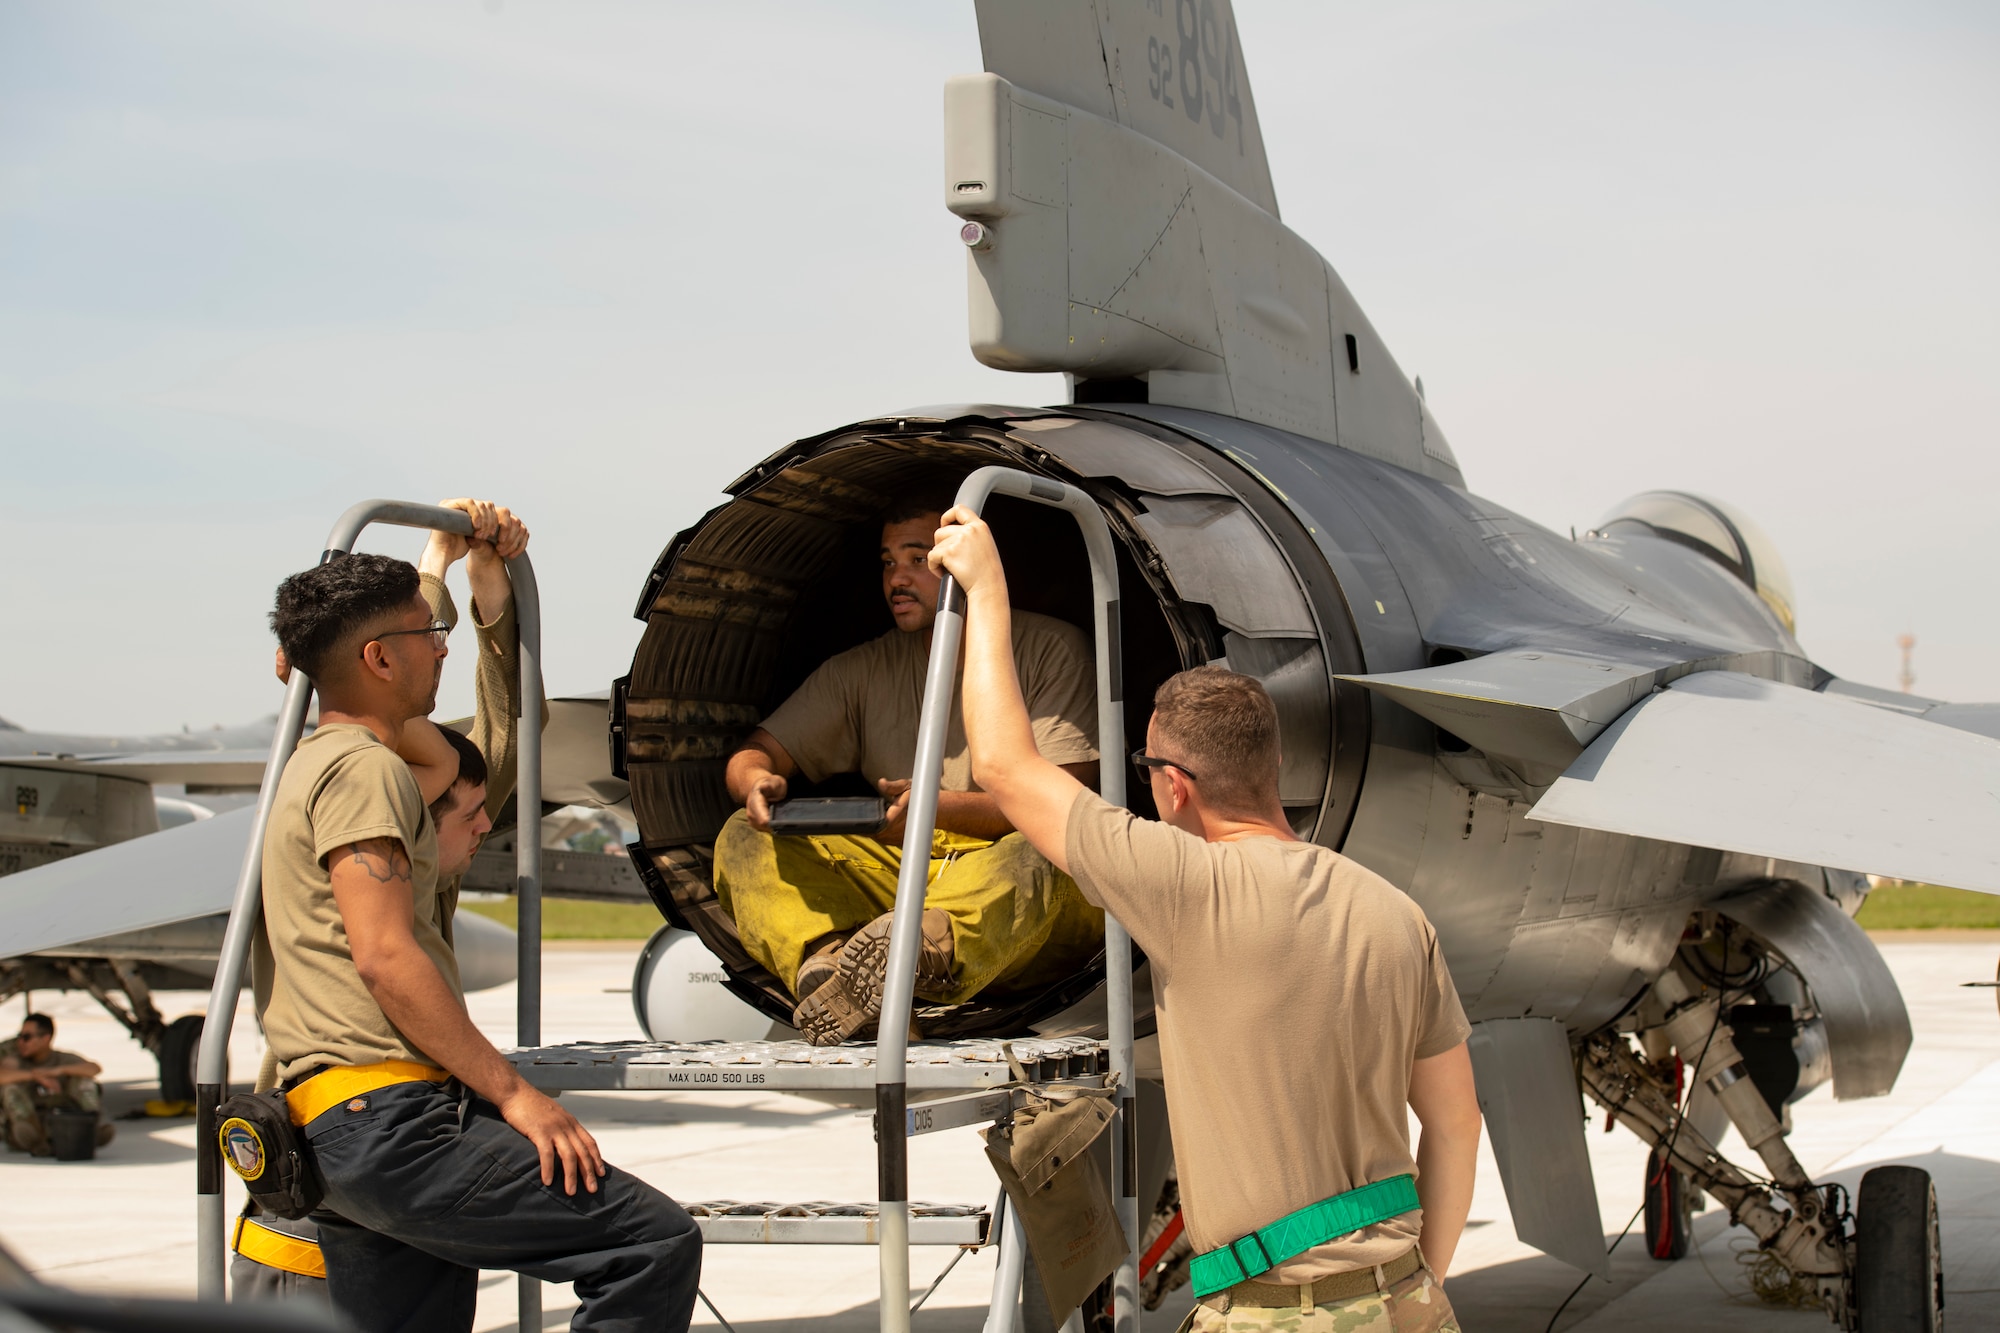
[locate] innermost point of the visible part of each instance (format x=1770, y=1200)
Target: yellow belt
x=274, y=1249
x=330, y=1087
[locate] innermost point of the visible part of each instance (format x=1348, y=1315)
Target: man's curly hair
x=320, y=610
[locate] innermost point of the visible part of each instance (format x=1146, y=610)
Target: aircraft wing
x=576, y=758
x=154, y=880
x=1726, y=760
x=205, y=768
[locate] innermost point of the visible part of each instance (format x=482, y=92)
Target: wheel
x=179, y=1045
x=1668, y=1215
x=1899, y=1263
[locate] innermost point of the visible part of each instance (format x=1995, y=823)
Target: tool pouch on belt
x=1052, y=1178
x=270, y=1154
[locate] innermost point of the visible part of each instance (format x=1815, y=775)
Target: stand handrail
x=898, y=991
x=246, y=910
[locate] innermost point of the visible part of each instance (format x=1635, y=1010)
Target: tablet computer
x=829, y=814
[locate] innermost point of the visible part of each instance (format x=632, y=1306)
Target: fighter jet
x=1637, y=811
x=122, y=891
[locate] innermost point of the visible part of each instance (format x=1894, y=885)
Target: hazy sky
x=259, y=261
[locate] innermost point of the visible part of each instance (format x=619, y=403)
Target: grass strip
x=570, y=919
x=1897, y=905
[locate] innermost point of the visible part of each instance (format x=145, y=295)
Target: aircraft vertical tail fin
x=1124, y=231
x=1170, y=69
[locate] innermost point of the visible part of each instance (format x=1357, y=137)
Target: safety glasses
x=1143, y=762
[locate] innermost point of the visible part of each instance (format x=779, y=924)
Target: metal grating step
x=797, y=1066
x=727, y=1222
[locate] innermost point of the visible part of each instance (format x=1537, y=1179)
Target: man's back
x=1295, y=990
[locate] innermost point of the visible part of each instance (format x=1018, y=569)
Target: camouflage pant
x=24, y=1104
x=1417, y=1304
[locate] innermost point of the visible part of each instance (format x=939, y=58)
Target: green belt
x=1295, y=1233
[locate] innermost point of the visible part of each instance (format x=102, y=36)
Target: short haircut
x=41, y=1023
x=471, y=771
x=917, y=502
x=1225, y=727
x=320, y=609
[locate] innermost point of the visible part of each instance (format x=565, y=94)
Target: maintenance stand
x=956, y=1083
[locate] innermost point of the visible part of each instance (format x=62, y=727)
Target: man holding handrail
x=437, y=1157
x=1303, y=1002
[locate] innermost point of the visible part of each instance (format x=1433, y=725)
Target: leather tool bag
x=1044, y=1160
x=269, y=1153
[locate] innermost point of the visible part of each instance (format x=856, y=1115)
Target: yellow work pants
x=1017, y=923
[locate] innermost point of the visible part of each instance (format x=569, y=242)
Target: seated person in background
x=815, y=909
x=36, y=1078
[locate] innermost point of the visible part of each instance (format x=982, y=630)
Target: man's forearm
x=747, y=767
x=1446, y=1161
x=492, y=587
x=497, y=711
x=997, y=729
x=972, y=813
x=414, y=997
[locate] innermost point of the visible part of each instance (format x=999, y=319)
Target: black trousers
x=426, y=1185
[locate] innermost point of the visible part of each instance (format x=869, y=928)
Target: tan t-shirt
x=343, y=786
x=858, y=713
x=11, y=1057
x=1295, y=989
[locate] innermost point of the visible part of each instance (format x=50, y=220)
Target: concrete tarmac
x=125, y=1222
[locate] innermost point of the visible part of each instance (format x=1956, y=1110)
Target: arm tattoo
x=383, y=859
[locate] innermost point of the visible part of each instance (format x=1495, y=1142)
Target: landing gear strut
x=1884, y=1276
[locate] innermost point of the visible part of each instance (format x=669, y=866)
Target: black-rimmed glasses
x=437, y=629
x=1143, y=761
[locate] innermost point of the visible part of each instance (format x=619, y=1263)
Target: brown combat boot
x=852, y=999
x=820, y=964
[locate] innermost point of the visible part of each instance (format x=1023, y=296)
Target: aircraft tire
x=1669, y=1211
x=178, y=1047
x=1899, y=1261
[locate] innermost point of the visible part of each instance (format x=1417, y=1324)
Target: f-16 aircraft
x=1638, y=813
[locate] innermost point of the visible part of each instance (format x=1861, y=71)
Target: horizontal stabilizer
x=1531, y=710
x=1724, y=760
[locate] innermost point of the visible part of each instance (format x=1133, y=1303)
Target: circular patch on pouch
x=358, y=1104
x=241, y=1148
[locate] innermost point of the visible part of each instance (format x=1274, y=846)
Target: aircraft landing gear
x=1883, y=1275
x=173, y=1045
x=1899, y=1263
x=1809, y=1239
x=1669, y=1209
x=179, y=1041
